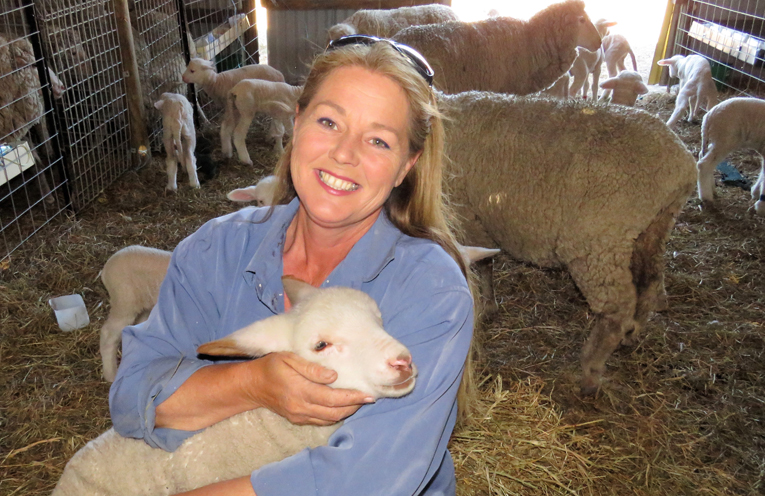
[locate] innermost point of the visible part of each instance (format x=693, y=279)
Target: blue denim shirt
x=228, y=275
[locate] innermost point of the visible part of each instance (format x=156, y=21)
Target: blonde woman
x=361, y=206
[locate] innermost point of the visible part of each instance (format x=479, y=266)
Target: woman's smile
x=335, y=184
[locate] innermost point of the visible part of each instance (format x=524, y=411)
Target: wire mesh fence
x=32, y=186
x=731, y=33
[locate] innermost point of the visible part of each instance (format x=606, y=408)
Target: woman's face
x=351, y=147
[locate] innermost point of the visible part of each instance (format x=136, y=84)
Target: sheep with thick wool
x=387, y=22
x=338, y=327
x=249, y=97
x=202, y=73
x=178, y=137
x=696, y=85
x=735, y=124
x=132, y=277
x=502, y=54
x=592, y=188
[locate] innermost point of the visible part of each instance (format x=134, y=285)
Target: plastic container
x=70, y=312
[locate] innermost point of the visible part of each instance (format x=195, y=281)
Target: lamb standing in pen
x=502, y=54
x=386, y=23
x=132, y=277
x=615, y=51
x=247, y=98
x=625, y=88
x=364, y=356
x=202, y=73
x=594, y=189
x=587, y=63
x=735, y=124
x=696, y=85
x=179, y=137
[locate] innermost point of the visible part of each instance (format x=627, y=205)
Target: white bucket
x=70, y=312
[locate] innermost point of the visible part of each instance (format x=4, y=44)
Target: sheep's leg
x=111, y=336
x=190, y=160
x=276, y=131
x=240, y=135
x=680, y=105
x=705, y=170
x=693, y=107
x=605, y=280
x=758, y=190
x=579, y=77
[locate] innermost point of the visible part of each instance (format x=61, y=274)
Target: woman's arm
x=233, y=487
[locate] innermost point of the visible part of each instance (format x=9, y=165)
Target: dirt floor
x=681, y=413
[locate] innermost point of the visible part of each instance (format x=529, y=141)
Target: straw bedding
x=682, y=413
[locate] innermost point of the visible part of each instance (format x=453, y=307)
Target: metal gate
x=731, y=34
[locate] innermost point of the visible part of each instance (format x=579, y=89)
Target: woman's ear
x=407, y=167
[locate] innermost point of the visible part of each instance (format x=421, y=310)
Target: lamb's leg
x=111, y=336
x=605, y=280
x=171, y=164
x=758, y=190
x=226, y=128
x=191, y=161
x=680, y=105
x=705, y=170
x=276, y=131
x=240, y=135
x=595, y=79
x=576, y=85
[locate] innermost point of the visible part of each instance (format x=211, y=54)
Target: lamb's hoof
x=248, y=163
x=170, y=190
x=707, y=206
x=589, y=389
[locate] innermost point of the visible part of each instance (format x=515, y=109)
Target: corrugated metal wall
x=295, y=36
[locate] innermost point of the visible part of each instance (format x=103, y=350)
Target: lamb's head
x=339, y=328
x=674, y=63
x=198, y=71
x=262, y=193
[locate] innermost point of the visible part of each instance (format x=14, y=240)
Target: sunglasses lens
x=410, y=53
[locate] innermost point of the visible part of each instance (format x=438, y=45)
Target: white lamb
x=202, y=73
x=594, y=189
x=696, y=85
x=247, y=98
x=339, y=328
x=587, y=63
x=386, y=23
x=502, y=54
x=262, y=193
x=132, y=277
x=735, y=124
x=625, y=88
x=179, y=138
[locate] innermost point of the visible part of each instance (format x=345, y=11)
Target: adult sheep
x=594, y=189
x=337, y=327
x=387, y=22
x=502, y=54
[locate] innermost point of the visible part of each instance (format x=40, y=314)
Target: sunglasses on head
x=419, y=62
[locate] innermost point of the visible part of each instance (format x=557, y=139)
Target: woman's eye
x=320, y=345
x=327, y=123
x=380, y=143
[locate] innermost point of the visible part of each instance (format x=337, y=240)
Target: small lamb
x=338, y=327
x=179, y=137
x=696, y=85
x=202, y=73
x=248, y=97
x=132, y=277
x=587, y=63
x=735, y=124
x=625, y=88
x=262, y=193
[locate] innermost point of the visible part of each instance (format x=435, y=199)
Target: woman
x=362, y=207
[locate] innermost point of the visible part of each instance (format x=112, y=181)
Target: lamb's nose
x=402, y=362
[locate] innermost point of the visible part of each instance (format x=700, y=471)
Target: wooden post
x=139, y=138
x=251, y=35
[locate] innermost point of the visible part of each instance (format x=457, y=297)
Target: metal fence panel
x=731, y=33
x=32, y=186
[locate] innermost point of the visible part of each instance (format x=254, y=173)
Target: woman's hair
x=418, y=207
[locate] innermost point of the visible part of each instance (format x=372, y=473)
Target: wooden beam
x=345, y=4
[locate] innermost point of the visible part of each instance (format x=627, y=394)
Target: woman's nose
x=345, y=151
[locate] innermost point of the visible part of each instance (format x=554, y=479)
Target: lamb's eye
x=320, y=345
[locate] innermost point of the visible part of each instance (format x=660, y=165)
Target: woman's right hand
x=298, y=390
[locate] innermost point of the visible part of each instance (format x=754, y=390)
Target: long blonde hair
x=418, y=207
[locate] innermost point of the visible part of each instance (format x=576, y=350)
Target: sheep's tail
x=634, y=60
x=277, y=108
x=704, y=139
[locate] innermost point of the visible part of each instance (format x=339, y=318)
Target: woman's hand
x=297, y=390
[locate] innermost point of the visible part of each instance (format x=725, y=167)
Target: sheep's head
x=339, y=328
x=198, y=71
x=587, y=35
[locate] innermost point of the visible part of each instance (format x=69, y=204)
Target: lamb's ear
x=665, y=62
x=641, y=88
x=472, y=254
x=255, y=340
x=242, y=194
x=296, y=289
x=609, y=84
x=158, y=104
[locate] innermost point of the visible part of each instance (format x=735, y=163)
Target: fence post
x=139, y=138
x=189, y=52
x=251, y=34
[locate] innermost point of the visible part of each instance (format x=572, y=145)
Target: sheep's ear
x=257, y=339
x=296, y=289
x=609, y=84
x=242, y=194
x=472, y=254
